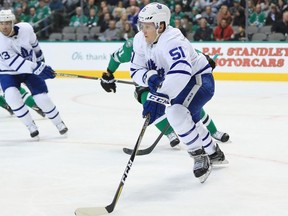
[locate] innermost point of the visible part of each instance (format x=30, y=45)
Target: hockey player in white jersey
x=180, y=82
x=22, y=61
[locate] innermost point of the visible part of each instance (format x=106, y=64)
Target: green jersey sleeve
x=122, y=55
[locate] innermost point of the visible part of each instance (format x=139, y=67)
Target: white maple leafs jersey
x=172, y=56
x=17, y=53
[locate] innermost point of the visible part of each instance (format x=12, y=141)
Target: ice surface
x=58, y=174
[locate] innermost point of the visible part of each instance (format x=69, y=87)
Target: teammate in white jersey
x=180, y=82
x=22, y=61
x=27, y=98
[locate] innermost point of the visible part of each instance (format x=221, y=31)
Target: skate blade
x=177, y=147
x=204, y=177
x=220, y=162
x=65, y=135
x=64, y=132
x=36, y=138
x=219, y=141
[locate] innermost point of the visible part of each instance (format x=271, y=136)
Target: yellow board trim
x=282, y=77
x=251, y=76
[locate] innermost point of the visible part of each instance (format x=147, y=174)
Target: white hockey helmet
x=155, y=13
x=6, y=16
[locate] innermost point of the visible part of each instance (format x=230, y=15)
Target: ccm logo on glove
x=158, y=99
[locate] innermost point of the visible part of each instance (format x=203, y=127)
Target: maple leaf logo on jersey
x=26, y=54
x=152, y=66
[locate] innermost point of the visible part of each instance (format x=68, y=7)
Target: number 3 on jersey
x=177, y=53
x=4, y=55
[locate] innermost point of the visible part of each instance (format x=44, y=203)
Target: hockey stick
x=150, y=148
x=95, y=211
x=89, y=77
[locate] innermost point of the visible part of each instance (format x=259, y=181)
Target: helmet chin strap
x=157, y=36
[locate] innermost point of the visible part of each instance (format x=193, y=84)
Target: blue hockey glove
x=155, y=106
x=154, y=82
x=40, y=57
x=152, y=79
x=44, y=71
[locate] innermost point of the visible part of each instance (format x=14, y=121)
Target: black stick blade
x=127, y=151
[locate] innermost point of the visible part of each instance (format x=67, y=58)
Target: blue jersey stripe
x=17, y=109
x=54, y=116
x=134, y=71
x=21, y=116
x=178, y=62
x=208, y=144
x=187, y=133
x=20, y=65
x=193, y=140
x=203, y=69
x=179, y=71
x=35, y=45
x=51, y=110
x=7, y=71
x=14, y=60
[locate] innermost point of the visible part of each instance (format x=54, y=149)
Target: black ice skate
x=33, y=130
x=62, y=128
x=220, y=136
x=202, y=166
x=8, y=108
x=38, y=110
x=173, y=138
x=218, y=157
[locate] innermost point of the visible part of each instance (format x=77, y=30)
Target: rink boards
x=235, y=61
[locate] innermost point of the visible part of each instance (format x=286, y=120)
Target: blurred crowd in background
x=198, y=20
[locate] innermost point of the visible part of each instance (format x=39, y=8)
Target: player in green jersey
x=28, y=99
x=123, y=55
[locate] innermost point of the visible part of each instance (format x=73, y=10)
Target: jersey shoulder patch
x=129, y=43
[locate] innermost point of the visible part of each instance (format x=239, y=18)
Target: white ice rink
x=56, y=175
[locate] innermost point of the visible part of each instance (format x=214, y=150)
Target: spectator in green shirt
x=93, y=18
x=43, y=13
x=43, y=10
x=78, y=19
x=88, y=5
x=20, y=16
x=177, y=14
x=32, y=3
x=32, y=17
x=258, y=17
